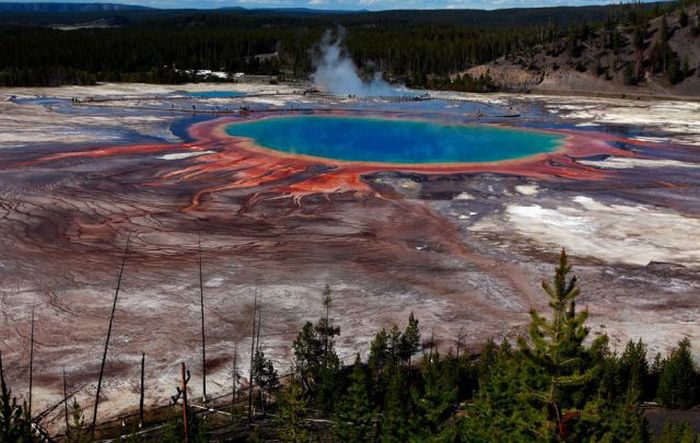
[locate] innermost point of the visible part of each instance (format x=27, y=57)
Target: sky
x=373, y=5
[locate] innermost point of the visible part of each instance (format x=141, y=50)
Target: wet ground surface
x=465, y=248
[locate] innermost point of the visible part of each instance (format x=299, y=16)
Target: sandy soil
x=464, y=251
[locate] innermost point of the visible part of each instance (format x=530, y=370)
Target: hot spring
x=387, y=140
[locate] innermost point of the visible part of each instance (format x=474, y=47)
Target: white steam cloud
x=336, y=73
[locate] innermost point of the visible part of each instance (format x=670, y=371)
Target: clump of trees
x=463, y=83
x=554, y=384
x=679, y=384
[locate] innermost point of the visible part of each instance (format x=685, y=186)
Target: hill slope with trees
x=658, y=51
x=504, y=49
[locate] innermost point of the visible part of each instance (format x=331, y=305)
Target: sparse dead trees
x=109, y=334
x=263, y=372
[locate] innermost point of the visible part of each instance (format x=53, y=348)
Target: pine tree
x=498, y=412
x=77, y=431
x=657, y=365
x=678, y=382
x=292, y=413
x=265, y=376
x=394, y=425
x=487, y=358
x=308, y=352
x=629, y=423
x=15, y=426
x=543, y=391
x=685, y=67
x=410, y=340
x=355, y=420
x=663, y=30
x=674, y=70
x=435, y=400
x=678, y=432
x=634, y=368
x=378, y=352
x=197, y=427
x=327, y=385
x=316, y=358
x=628, y=75
x=610, y=383
x=376, y=364
x=556, y=347
x=394, y=346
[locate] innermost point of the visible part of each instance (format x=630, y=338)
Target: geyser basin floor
x=464, y=246
x=384, y=140
x=216, y=94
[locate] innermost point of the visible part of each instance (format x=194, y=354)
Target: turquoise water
x=393, y=141
x=216, y=94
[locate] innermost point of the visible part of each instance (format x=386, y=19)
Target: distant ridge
x=67, y=7
x=299, y=10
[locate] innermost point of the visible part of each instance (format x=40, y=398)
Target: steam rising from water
x=337, y=74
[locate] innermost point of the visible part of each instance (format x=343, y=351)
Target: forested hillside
x=421, y=49
x=658, y=50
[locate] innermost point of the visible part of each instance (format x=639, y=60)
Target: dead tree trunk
x=109, y=334
x=185, y=377
x=234, y=382
x=31, y=367
x=460, y=340
x=261, y=388
x=65, y=401
x=204, y=346
x=252, y=355
x=143, y=387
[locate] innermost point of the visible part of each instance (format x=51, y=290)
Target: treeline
x=157, y=50
x=555, y=384
x=151, y=53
